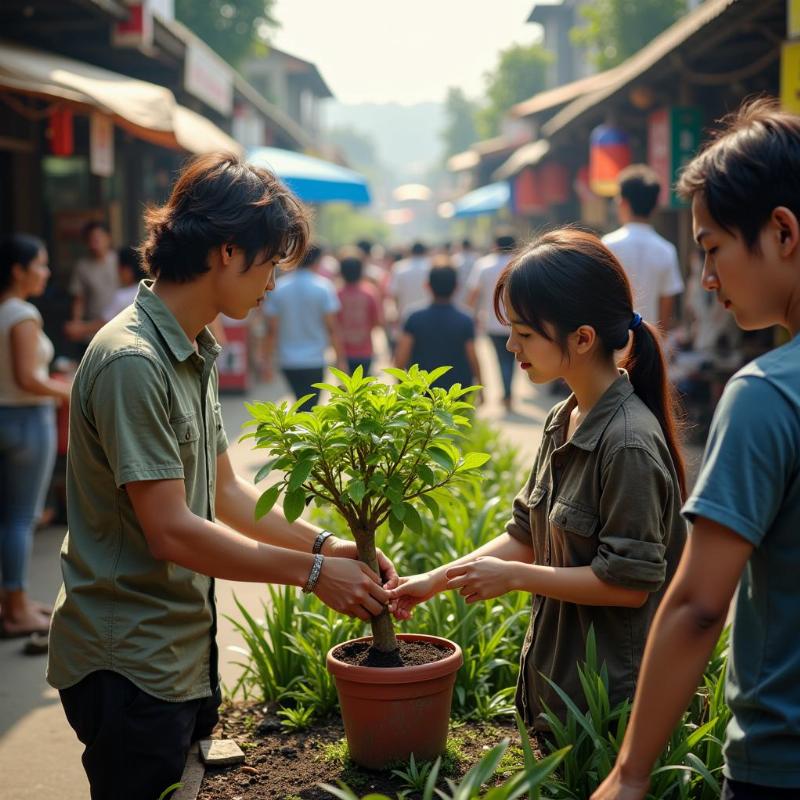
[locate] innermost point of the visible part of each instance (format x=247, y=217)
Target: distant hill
x=407, y=138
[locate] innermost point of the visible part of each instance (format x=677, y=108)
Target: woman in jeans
x=27, y=426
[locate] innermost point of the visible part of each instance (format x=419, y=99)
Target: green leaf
x=441, y=457
x=473, y=461
x=267, y=500
x=437, y=373
x=395, y=525
x=411, y=518
x=299, y=402
x=266, y=469
x=432, y=505
x=293, y=504
x=400, y=374
x=426, y=473
x=356, y=490
x=300, y=474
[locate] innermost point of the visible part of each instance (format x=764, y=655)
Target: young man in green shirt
x=132, y=647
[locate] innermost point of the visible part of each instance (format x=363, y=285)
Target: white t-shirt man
x=408, y=285
x=480, y=286
x=651, y=263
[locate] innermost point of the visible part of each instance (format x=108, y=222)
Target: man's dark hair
x=442, y=279
x=466, y=244
x=418, y=249
x=365, y=246
x=94, y=225
x=639, y=185
x=351, y=268
x=129, y=257
x=312, y=256
x=219, y=199
x=748, y=169
x=505, y=242
x=19, y=248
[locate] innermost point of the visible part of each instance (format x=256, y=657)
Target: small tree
x=375, y=452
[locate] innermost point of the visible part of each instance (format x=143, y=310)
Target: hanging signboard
x=673, y=138
x=101, y=145
x=792, y=19
x=790, y=77
x=137, y=29
x=209, y=78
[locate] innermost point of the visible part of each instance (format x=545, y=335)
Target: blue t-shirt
x=301, y=300
x=750, y=482
x=441, y=333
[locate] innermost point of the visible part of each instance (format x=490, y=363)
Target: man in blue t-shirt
x=301, y=323
x=440, y=335
x=745, y=193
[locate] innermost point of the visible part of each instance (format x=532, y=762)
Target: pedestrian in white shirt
x=480, y=298
x=650, y=261
x=409, y=282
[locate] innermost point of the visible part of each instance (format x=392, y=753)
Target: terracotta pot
x=390, y=713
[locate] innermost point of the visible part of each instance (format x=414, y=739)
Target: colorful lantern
x=609, y=154
x=528, y=197
x=60, y=134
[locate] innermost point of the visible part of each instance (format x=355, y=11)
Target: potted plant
x=377, y=453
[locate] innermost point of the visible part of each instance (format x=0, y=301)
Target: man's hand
x=482, y=579
x=615, y=787
x=410, y=591
x=351, y=587
x=341, y=549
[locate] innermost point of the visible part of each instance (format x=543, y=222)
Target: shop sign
x=792, y=19
x=673, y=138
x=609, y=154
x=527, y=196
x=208, y=78
x=101, y=145
x=790, y=77
x=137, y=29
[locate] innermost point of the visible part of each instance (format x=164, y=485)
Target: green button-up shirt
x=144, y=407
x=609, y=499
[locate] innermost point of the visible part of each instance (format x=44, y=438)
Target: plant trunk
x=383, y=637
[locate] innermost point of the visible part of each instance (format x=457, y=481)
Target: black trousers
x=736, y=790
x=135, y=744
x=300, y=381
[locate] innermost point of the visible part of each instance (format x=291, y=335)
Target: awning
x=312, y=179
x=486, y=200
x=529, y=155
x=198, y=135
x=145, y=109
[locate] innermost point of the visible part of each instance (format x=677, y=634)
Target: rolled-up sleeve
x=635, y=492
x=519, y=526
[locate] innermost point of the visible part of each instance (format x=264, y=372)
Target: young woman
x=595, y=534
x=27, y=426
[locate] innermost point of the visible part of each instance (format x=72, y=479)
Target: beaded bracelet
x=313, y=576
x=319, y=541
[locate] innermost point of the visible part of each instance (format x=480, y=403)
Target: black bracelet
x=319, y=541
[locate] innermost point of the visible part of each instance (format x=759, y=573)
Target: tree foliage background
x=614, y=30
x=235, y=29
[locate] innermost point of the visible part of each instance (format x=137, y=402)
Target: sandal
x=36, y=645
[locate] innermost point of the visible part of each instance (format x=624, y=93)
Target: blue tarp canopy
x=485, y=200
x=312, y=179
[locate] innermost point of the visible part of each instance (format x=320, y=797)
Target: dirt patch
x=287, y=766
x=408, y=654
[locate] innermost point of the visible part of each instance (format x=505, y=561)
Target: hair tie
x=635, y=322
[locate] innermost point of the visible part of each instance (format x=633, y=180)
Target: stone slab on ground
x=221, y=752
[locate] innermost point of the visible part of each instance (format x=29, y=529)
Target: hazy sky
x=404, y=51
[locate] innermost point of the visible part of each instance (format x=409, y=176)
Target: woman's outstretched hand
x=411, y=591
x=482, y=579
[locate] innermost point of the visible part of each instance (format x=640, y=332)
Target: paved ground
x=39, y=755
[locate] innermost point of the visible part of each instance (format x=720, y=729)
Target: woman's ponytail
x=648, y=375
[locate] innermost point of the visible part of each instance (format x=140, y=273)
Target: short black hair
x=312, y=256
x=19, y=248
x=639, y=185
x=748, y=169
x=505, y=242
x=93, y=225
x=443, y=280
x=351, y=268
x=365, y=246
x=418, y=249
x=466, y=244
x=219, y=199
x=129, y=257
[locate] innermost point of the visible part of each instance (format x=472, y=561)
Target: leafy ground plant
x=375, y=453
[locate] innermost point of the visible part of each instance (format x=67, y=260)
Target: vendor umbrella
x=312, y=179
x=485, y=200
